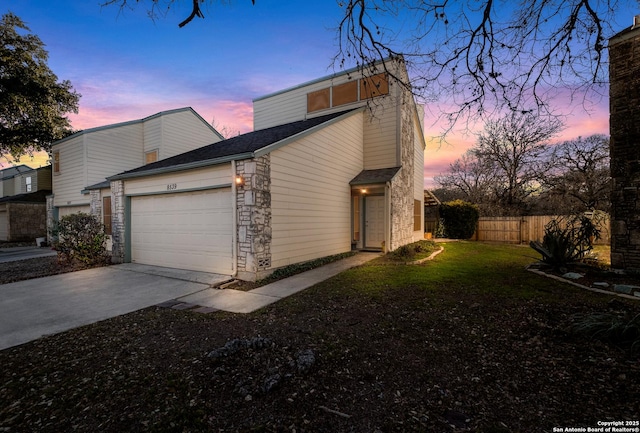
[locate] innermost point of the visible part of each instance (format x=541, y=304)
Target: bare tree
x=516, y=144
x=480, y=58
x=582, y=178
x=473, y=178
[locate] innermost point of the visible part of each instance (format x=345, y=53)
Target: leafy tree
x=459, y=218
x=482, y=57
x=33, y=103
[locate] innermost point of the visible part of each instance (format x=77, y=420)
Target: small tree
x=459, y=218
x=81, y=238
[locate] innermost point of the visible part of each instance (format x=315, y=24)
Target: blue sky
x=127, y=66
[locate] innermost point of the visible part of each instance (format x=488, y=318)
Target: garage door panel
x=183, y=230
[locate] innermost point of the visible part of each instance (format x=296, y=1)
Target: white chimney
x=636, y=21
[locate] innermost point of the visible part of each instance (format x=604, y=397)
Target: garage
x=187, y=230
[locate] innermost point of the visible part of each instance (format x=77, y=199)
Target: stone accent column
x=117, y=221
x=95, y=205
x=624, y=104
x=254, y=218
x=402, y=183
x=51, y=220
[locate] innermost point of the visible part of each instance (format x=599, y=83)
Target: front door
x=374, y=221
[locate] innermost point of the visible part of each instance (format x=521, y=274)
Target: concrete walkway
x=33, y=308
x=237, y=301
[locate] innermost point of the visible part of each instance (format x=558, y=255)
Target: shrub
x=567, y=240
x=409, y=251
x=80, y=238
x=620, y=330
x=459, y=218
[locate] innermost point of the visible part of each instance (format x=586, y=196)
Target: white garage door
x=4, y=226
x=189, y=230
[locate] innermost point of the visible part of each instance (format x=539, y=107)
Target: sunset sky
x=127, y=66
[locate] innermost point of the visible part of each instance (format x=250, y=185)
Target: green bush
x=567, y=240
x=459, y=219
x=80, y=239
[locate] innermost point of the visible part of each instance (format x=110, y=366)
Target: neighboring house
x=23, y=204
x=333, y=165
x=88, y=157
x=7, y=179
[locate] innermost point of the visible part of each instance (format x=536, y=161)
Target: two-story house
x=83, y=161
x=332, y=165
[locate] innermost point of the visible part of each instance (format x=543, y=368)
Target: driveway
x=24, y=253
x=33, y=308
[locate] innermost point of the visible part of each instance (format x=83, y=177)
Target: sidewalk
x=236, y=301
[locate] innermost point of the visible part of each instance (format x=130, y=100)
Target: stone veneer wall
x=95, y=204
x=117, y=221
x=26, y=221
x=51, y=217
x=254, y=218
x=624, y=104
x=402, y=183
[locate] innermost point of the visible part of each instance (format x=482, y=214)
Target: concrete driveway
x=33, y=308
x=24, y=253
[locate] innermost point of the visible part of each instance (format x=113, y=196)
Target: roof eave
x=182, y=167
x=278, y=144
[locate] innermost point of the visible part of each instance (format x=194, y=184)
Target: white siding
x=418, y=173
x=290, y=106
x=113, y=150
x=183, y=131
x=68, y=210
x=310, y=192
x=208, y=177
x=380, y=135
x=71, y=179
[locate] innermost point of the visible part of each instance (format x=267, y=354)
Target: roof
x=133, y=122
x=430, y=199
x=10, y=172
x=241, y=147
x=626, y=33
x=101, y=185
x=381, y=175
x=32, y=197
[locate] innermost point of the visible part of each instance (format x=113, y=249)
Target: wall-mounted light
x=239, y=180
x=363, y=190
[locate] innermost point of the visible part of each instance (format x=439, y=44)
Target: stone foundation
x=117, y=221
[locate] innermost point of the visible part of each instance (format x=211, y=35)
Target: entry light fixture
x=363, y=190
x=239, y=180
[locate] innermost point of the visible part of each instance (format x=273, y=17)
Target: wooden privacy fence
x=521, y=230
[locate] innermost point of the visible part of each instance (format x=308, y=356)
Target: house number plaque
x=172, y=186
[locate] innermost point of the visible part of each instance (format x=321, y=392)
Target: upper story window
x=151, y=156
x=56, y=162
x=27, y=182
x=346, y=93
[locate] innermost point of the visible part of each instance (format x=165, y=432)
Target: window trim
x=151, y=152
x=56, y=162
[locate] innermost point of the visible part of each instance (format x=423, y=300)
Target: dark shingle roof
x=380, y=175
x=32, y=197
x=241, y=146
